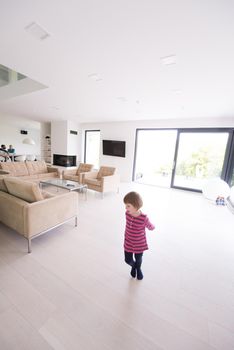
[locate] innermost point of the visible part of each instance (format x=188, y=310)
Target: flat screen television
x=113, y=148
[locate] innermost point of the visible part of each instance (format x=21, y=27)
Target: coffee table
x=65, y=184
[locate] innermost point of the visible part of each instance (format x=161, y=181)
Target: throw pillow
x=28, y=191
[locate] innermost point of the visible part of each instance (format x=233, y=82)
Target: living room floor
x=74, y=290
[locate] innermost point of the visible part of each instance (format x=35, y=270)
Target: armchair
x=104, y=180
x=77, y=173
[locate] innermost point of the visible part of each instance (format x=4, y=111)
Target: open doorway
x=92, y=147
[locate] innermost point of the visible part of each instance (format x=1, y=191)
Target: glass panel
x=232, y=178
x=154, y=158
x=92, y=150
x=200, y=157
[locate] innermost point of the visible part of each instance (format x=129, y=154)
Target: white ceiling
x=102, y=60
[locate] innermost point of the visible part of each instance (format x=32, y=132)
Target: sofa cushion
x=38, y=167
x=46, y=175
x=71, y=177
x=83, y=168
x=105, y=171
x=2, y=185
x=46, y=194
x=15, y=168
x=93, y=182
x=28, y=191
x=28, y=177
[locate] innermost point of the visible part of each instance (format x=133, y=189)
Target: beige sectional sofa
x=30, y=211
x=28, y=170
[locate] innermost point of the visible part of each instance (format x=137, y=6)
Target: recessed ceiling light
x=37, y=31
x=168, y=60
x=122, y=98
x=177, y=92
x=95, y=76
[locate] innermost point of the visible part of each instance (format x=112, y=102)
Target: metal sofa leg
x=75, y=220
x=29, y=245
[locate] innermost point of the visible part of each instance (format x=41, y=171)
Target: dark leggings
x=130, y=261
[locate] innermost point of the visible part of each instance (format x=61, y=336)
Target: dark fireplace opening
x=62, y=160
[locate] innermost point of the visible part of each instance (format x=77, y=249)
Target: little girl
x=135, y=237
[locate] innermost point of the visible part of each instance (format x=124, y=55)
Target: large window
x=184, y=158
x=232, y=178
x=200, y=157
x=155, y=155
x=230, y=168
x=92, y=147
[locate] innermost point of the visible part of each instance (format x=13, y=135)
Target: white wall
x=126, y=131
x=10, y=134
x=73, y=140
x=62, y=142
x=45, y=130
x=59, y=137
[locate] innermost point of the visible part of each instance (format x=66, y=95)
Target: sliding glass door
x=184, y=158
x=154, y=156
x=232, y=178
x=200, y=155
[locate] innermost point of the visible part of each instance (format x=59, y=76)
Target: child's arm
x=149, y=225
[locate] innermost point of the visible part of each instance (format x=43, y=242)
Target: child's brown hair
x=134, y=199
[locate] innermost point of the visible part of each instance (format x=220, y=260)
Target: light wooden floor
x=75, y=292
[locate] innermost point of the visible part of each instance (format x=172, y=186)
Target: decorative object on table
x=220, y=201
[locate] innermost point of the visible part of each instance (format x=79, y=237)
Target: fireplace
x=63, y=160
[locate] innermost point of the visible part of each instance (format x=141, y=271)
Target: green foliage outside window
x=203, y=163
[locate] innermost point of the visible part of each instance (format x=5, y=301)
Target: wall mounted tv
x=113, y=148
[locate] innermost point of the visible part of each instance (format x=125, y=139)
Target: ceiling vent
x=37, y=31
x=168, y=60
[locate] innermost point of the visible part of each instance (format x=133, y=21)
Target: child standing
x=135, y=236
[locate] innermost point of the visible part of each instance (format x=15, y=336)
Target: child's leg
x=129, y=260
x=138, y=263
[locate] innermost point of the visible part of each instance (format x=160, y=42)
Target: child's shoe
x=139, y=274
x=133, y=272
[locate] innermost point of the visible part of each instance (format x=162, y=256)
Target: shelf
x=46, y=150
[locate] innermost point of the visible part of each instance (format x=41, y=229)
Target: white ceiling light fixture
x=122, y=98
x=29, y=141
x=95, y=77
x=37, y=31
x=168, y=60
x=177, y=91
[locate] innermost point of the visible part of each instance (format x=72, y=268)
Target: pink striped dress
x=135, y=236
